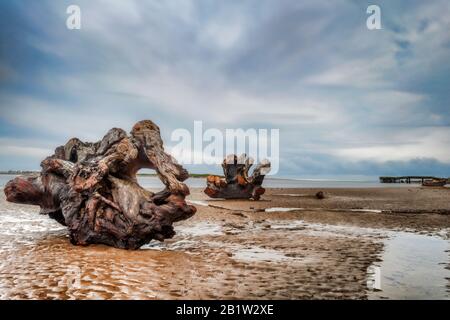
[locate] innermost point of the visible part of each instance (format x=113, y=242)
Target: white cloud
x=23, y=148
x=429, y=142
x=87, y=122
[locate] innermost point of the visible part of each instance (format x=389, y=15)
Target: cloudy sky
x=349, y=102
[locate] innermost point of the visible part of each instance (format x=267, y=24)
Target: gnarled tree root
x=92, y=189
x=237, y=184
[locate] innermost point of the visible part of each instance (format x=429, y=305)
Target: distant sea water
x=152, y=182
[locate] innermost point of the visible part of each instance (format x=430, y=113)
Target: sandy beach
x=207, y=151
x=289, y=245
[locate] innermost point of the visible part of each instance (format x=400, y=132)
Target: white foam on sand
x=279, y=209
x=198, y=202
x=259, y=254
x=200, y=229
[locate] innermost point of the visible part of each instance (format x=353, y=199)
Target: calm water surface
x=154, y=183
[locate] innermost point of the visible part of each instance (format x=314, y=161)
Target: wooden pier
x=407, y=179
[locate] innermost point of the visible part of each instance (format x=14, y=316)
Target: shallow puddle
x=414, y=267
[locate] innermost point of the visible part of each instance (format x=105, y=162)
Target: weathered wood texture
x=92, y=189
x=237, y=184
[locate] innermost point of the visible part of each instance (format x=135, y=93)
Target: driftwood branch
x=237, y=184
x=92, y=189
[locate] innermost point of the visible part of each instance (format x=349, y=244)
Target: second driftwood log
x=237, y=184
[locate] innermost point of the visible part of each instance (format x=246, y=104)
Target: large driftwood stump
x=237, y=184
x=92, y=189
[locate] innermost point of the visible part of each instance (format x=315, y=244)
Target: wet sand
x=234, y=249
